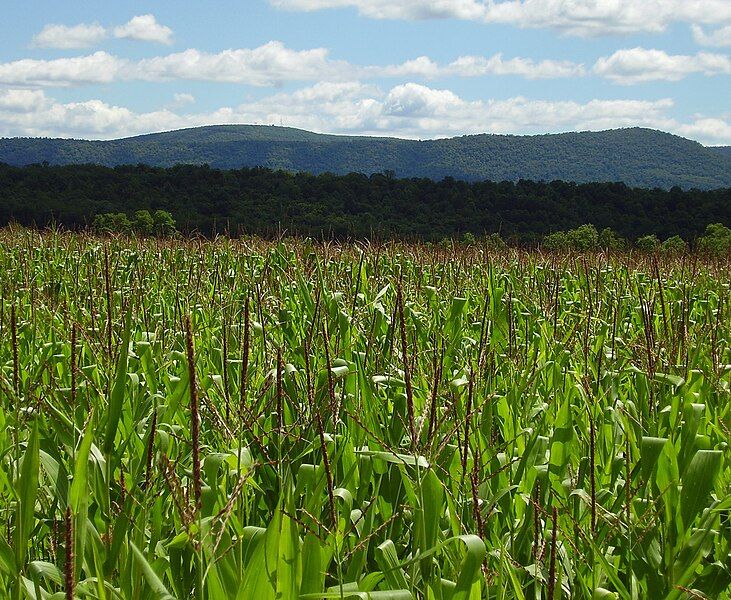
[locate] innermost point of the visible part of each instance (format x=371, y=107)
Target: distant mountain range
x=637, y=157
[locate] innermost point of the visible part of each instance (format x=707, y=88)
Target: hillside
x=637, y=157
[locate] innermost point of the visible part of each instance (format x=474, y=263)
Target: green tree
x=163, y=223
x=610, y=240
x=556, y=241
x=112, y=223
x=648, y=243
x=469, y=239
x=583, y=238
x=674, y=245
x=494, y=242
x=143, y=222
x=717, y=239
x=101, y=223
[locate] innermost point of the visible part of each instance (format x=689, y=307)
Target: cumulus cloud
x=144, y=28
x=473, y=66
x=576, y=17
x=181, y=99
x=718, y=37
x=268, y=65
x=22, y=101
x=386, y=9
x=638, y=65
x=406, y=110
x=414, y=108
x=712, y=130
x=84, y=35
x=274, y=63
x=602, y=17
x=478, y=66
x=99, y=67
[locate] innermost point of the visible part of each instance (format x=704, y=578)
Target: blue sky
x=408, y=68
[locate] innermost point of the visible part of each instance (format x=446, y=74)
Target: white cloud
x=84, y=35
x=478, y=66
x=387, y=9
x=604, y=17
x=413, y=100
x=144, y=28
x=274, y=63
x=181, y=99
x=718, y=37
x=423, y=66
x=576, y=17
x=266, y=65
x=407, y=110
x=269, y=65
x=91, y=119
x=712, y=131
x=22, y=101
x=473, y=66
x=99, y=67
x=637, y=65
x=418, y=110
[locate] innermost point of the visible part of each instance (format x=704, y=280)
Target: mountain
x=723, y=150
x=637, y=157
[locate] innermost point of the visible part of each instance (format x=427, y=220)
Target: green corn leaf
x=116, y=398
x=698, y=481
x=27, y=491
x=650, y=449
x=153, y=581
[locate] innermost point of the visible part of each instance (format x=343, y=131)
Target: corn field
x=240, y=419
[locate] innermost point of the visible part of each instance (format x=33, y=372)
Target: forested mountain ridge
x=637, y=157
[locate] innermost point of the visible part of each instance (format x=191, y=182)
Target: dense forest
x=265, y=202
x=637, y=157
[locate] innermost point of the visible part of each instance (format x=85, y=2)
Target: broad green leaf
x=26, y=492
x=153, y=581
x=698, y=481
x=116, y=397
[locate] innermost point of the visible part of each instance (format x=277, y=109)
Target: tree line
x=715, y=240
x=264, y=202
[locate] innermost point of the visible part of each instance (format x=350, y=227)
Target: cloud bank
x=273, y=64
x=586, y=18
x=407, y=110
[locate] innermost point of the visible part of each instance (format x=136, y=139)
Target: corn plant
x=248, y=419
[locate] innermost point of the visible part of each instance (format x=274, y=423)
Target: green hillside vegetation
x=724, y=150
x=637, y=157
x=264, y=202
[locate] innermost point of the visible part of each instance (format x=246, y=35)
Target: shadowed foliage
x=265, y=202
